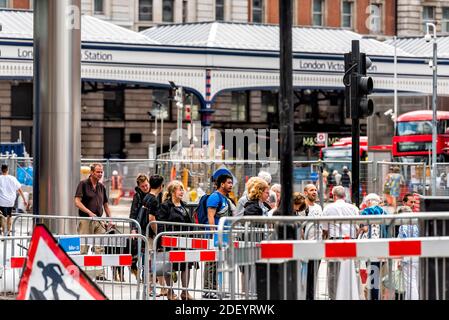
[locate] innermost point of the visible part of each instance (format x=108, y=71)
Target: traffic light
x=179, y=97
x=187, y=113
x=357, y=85
x=364, y=88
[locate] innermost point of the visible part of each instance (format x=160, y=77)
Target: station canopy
x=418, y=47
x=211, y=57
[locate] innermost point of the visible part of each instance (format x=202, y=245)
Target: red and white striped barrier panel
x=193, y=256
x=114, y=260
x=353, y=249
x=196, y=243
x=187, y=243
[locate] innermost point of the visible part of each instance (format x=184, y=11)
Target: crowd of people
x=153, y=201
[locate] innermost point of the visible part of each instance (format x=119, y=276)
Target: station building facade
x=230, y=70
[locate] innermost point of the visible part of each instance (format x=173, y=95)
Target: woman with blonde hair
x=258, y=196
x=245, y=198
x=173, y=209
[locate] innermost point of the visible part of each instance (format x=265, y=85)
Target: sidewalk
x=122, y=209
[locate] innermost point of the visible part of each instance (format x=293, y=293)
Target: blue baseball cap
x=220, y=172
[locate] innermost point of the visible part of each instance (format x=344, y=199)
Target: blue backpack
x=200, y=213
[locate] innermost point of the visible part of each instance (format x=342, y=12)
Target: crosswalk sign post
x=50, y=274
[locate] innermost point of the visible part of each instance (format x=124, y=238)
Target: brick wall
x=360, y=16
x=390, y=18
x=333, y=13
x=21, y=4
x=272, y=9
x=304, y=12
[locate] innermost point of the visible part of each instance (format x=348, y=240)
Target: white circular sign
x=320, y=137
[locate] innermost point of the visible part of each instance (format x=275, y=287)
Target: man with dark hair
x=409, y=201
x=152, y=202
x=150, y=207
x=9, y=186
x=141, y=190
x=218, y=205
x=90, y=199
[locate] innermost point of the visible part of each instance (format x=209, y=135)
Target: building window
x=270, y=106
x=22, y=101
x=146, y=10
x=168, y=11
x=317, y=12
x=428, y=16
x=240, y=106
x=346, y=15
x=445, y=20
x=3, y=3
x=185, y=11
x=219, y=10
x=257, y=9
x=163, y=97
x=375, y=18
x=114, y=103
x=24, y=133
x=98, y=7
x=114, y=143
x=142, y=28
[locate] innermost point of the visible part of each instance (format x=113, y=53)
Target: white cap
x=115, y=173
x=265, y=175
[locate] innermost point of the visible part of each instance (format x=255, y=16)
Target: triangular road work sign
x=50, y=274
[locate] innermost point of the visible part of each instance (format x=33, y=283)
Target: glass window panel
x=145, y=10
x=167, y=11
x=258, y=11
x=219, y=10
x=347, y=14
x=428, y=16
x=98, y=7
x=239, y=106
x=445, y=20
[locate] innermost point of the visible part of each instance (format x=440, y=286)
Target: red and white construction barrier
x=193, y=256
x=187, y=243
x=196, y=243
x=117, y=260
x=341, y=249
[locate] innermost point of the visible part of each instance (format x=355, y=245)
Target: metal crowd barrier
x=193, y=254
x=282, y=265
x=106, y=262
x=186, y=246
x=198, y=172
x=66, y=224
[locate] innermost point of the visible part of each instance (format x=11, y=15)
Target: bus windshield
x=414, y=128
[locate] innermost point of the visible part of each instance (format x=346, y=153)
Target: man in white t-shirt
x=9, y=186
x=312, y=231
x=338, y=231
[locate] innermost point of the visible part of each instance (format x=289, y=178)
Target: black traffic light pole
x=286, y=105
x=358, y=106
x=281, y=277
x=355, y=128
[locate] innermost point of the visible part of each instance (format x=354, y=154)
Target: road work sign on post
x=50, y=274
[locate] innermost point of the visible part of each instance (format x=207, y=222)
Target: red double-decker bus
x=412, y=141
